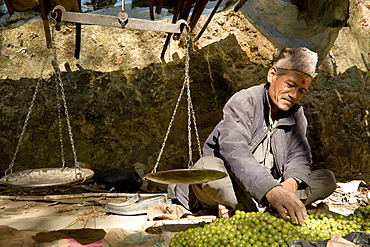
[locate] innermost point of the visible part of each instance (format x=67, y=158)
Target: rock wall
x=121, y=96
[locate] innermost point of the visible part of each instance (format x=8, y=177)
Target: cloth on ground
x=117, y=237
x=167, y=212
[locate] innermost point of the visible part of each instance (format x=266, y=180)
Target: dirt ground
x=58, y=213
x=31, y=215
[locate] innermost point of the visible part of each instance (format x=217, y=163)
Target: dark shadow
x=83, y=236
x=119, y=118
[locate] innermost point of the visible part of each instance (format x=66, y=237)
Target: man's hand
x=286, y=202
x=290, y=184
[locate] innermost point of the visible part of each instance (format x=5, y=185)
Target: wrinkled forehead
x=299, y=78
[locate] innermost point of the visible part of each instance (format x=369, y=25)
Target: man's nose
x=293, y=93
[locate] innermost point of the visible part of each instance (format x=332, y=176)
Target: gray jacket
x=245, y=123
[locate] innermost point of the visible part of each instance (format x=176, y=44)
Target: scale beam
x=122, y=21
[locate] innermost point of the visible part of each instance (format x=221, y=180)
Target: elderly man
x=261, y=144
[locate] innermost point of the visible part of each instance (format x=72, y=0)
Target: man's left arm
x=299, y=160
x=297, y=166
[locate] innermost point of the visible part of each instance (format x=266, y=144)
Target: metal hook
x=123, y=18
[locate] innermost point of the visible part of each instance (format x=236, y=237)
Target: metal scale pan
x=185, y=176
x=47, y=177
x=190, y=175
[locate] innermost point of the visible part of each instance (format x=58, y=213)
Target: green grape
x=266, y=229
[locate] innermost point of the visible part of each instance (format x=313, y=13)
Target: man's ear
x=271, y=73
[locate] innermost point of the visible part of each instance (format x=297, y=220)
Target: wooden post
x=209, y=19
x=44, y=16
x=9, y=6
x=240, y=5
x=78, y=34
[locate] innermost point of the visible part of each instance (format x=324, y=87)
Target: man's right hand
x=286, y=202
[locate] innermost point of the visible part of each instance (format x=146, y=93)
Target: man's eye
x=289, y=85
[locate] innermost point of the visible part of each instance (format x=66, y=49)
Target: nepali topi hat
x=299, y=59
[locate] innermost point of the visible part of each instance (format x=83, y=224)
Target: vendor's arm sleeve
x=235, y=133
x=299, y=161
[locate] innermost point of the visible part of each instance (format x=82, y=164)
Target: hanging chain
x=187, y=85
x=59, y=82
x=58, y=104
x=61, y=87
x=190, y=110
x=60, y=125
x=11, y=165
x=195, y=129
x=169, y=129
x=191, y=113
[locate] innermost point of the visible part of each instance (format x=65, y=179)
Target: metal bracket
x=122, y=21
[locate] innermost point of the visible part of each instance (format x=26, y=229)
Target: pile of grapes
x=266, y=229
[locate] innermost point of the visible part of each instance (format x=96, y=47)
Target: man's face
x=286, y=90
